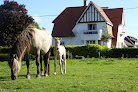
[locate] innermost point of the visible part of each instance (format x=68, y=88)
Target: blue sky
x=41, y=8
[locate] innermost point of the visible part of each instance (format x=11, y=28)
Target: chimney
x=85, y=2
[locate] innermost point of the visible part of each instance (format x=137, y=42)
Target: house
x=131, y=41
x=85, y=25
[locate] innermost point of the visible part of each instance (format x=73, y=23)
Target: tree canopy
x=105, y=36
x=13, y=19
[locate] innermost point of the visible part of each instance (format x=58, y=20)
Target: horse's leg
x=37, y=63
x=55, y=56
x=41, y=64
x=46, y=61
x=27, y=64
x=64, y=63
x=65, y=66
x=61, y=65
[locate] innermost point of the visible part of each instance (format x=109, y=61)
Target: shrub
x=4, y=53
x=125, y=52
x=4, y=57
x=130, y=45
x=90, y=50
x=5, y=49
x=68, y=55
x=79, y=57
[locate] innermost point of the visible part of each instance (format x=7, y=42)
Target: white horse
x=33, y=41
x=59, y=51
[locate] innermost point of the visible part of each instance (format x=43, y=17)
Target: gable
x=94, y=13
x=91, y=15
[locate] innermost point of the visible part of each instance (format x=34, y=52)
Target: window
x=94, y=32
x=92, y=27
x=90, y=42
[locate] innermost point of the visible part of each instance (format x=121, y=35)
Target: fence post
x=68, y=54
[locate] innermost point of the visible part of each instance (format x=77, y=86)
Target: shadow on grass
x=5, y=78
x=33, y=76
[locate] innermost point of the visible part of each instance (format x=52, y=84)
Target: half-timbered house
x=86, y=24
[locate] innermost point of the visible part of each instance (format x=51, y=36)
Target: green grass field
x=90, y=75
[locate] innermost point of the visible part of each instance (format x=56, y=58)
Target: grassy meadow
x=89, y=75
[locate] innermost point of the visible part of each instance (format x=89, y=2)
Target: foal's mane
x=23, y=42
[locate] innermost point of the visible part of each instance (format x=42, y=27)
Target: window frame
x=92, y=26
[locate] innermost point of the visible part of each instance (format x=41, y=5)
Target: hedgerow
x=87, y=51
x=90, y=50
x=93, y=50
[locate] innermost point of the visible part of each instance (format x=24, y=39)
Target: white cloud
x=37, y=19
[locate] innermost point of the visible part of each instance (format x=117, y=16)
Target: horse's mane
x=23, y=42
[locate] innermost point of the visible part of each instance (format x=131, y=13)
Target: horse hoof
x=38, y=76
x=46, y=75
x=55, y=73
x=42, y=73
x=28, y=76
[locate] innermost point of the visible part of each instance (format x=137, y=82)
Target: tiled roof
x=115, y=15
x=66, y=21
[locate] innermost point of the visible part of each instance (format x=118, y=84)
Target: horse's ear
x=60, y=39
x=55, y=37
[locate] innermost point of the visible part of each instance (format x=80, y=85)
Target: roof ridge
x=101, y=11
x=112, y=8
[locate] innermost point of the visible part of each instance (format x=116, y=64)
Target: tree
x=36, y=25
x=43, y=28
x=105, y=36
x=13, y=19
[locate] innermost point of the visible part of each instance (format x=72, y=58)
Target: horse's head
x=15, y=66
x=57, y=42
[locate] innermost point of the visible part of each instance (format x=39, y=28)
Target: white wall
x=120, y=37
x=83, y=27
x=81, y=38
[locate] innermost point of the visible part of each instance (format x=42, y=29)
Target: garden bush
x=4, y=53
x=4, y=57
x=90, y=50
x=125, y=52
x=5, y=49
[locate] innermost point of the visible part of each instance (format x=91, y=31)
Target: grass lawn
x=90, y=75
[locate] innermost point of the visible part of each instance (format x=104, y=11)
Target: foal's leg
x=64, y=63
x=37, y=63
x=46, y=61
x=27, y=64
x=61, y=65
x=55, y=56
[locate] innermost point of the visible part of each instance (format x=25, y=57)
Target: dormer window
x=92, y=26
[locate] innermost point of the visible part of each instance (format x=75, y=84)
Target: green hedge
x=90, y=50
x=125, y=52
x=4, y=57
x=93, y=50
x=4, y=53
x=5, y=50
